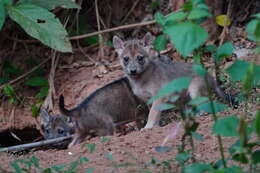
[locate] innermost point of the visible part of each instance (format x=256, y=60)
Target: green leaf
x=257, y=15
x=248, y=81
x=159, y=18
x=210, y=48
x=160, y=43
x=238, y=71
x=3, y=80
x=232, y=169
x=199, y=70
x=197, y=136
x=186, y=36
x=218, y=107
x=225, y=50
x=183, y=157
x=104, y=139
x=8, y=2
x=226, y=126
x=94, y=40
x=175, y=17
x=83, y=160
x=90, y=170
x=37, y=81
x=176, y=85
x=251, y=29
x=35, y=161
x=11, y=69
x=163, y=107
x=16, y=167
x=35, y=110
x=2, y=14
x=52, y=4
x=197, y=168
x=187, y=6
x=109, y=156
x=43, y=93
x=198, y=14
x=198, y=100
x=223, y=20
x=240, y=157
x=154, y=5
x=91, y=148
x=257, y=124
x=256, y=157
x=9, y=90
x=59, y=168
x=42, y=25
x=257, y=33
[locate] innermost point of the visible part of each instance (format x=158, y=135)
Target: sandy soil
x=137, y=147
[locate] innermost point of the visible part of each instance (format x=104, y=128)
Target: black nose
x=133, y=71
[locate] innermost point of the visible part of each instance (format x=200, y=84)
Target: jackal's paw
x=146, y=127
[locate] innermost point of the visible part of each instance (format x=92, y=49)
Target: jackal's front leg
x=154, y=115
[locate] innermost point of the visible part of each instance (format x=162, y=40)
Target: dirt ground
x=137, y=147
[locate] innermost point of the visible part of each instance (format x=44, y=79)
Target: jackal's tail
x=63, y=110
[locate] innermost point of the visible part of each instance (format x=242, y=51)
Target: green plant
x=35, y=18
x=40, y=83
x=185, y=33
x=9, y=92
x=32, y=164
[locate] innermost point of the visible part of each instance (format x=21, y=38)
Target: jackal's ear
x=118, y=44
x=45, y=117
x=70, y=122
x=148, y=39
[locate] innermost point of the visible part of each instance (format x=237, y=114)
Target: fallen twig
x=113, y=29
x=35, y=144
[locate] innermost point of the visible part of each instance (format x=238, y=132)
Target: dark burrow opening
x=12, y=137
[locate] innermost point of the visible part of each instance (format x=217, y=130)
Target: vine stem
x=220, y=143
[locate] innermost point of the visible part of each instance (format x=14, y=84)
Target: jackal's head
x=134, y=55
x=54, y=126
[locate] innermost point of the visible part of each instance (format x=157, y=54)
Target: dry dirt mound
x=135, y=149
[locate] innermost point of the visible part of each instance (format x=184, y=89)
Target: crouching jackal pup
x=55, y=126
x=147, y=76
x=108, y=107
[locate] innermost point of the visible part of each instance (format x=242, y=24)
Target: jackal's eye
x=47, y=131
x=60, y=131
x=140, y=59
x=126, y=59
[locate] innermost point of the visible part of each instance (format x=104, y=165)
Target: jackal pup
x=55, y=126
x=108, y=107
x=147, y=76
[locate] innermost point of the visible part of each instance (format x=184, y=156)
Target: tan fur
x=147, y=76
x=106, y=108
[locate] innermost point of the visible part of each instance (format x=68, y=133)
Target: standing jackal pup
x=110, y=106
x=147, y=76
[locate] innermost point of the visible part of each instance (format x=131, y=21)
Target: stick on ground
x=35, y=144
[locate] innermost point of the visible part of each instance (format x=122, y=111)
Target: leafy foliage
x=239, y=68
x=41, y=24
x=176, y=85
x=2, y=14
x=52, y=4
x=186, y=36
x=226, y=126
x=223, y=20
x=33, y=16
